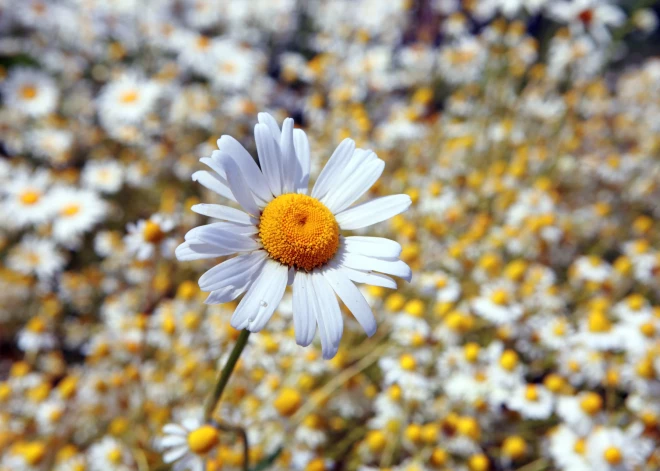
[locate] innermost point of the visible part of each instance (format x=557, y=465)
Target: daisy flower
x=77, y=211
x=36, y=256
x=106, y=176
x=149, y=236
x=25, y=200
x=30, y=92
x=187, y=445
x=283, y=235
x=109, y=453
x=127, y=100
x=532, y=401
x=613, y=449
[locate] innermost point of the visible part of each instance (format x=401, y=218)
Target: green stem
x=225, y=374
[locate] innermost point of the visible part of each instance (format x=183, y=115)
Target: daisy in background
x=106, y=176
x=35, y=256
x=30, y=92
x=76, y=212
x=149, y=237
x=127, y=100
x=595, y=17
x=283, y=235
x=187, y=445
x=25, y=202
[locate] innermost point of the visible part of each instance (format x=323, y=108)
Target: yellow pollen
x=34, y=452
x=152, y=232
x=203, y=440
x=591, y=403
x=407, y=362
x=500, y=297
x=531, y=393
x=580, y=446
x=598, y=322
x=70, y=210
x=28, y=92
x=471, y=352
x=647, y=329
x=114, y=456
x=441, y=283
x=509, y=360
x=30, y=197
x=613, y=455
x=287, y=402
x=229, y=67
x=129, y=96
x=299, y=231
x=36, y=325
x=203, y=42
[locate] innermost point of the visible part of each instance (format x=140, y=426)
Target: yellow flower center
x=598, y=322
x=591, y=403
x=509, y=360
x=203, y=440
x=287, y=402
x=499, y=297
x=580, y=446
x=129, y=96
x=33, y=452
x=115, y=456
x=70, y=210
x=531, y=393
x=30, y=197
x=299, y=231
x=407, y=362
x=36, y=325
x=28, y=92
x=471, y=352
x=613, y=455
x=647, y=329
x=203, y=42
x=376, y=440
x=152, y=232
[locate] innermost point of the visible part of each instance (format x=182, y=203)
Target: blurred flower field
x=486, y=171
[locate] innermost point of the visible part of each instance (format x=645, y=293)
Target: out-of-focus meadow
x=527, y=134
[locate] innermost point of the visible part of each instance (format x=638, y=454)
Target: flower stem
x=225, y=374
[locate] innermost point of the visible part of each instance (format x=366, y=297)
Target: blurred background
x=526, y=132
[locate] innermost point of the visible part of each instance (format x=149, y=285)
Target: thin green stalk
x=225, y=374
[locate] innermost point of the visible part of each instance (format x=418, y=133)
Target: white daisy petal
x=352, y=298
x=331, y=174
x=172, y=441
x=355, y=182
x=289, y=161
x=228, y=240
x=261, y=300
x=186, y=252
x=240, y=229
x=174, y=454
x=373, y=211
x=328, y=316
x=225, y=213
x=301, y=145
x=239, y=187
x=213, y=183
x=391, y=267
x=269, y=157
x=370, y=278
x=372, y=246
x=248, y=166
x=174, y=429
x=232, y=272
x=304, y=322
x=271, y=123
